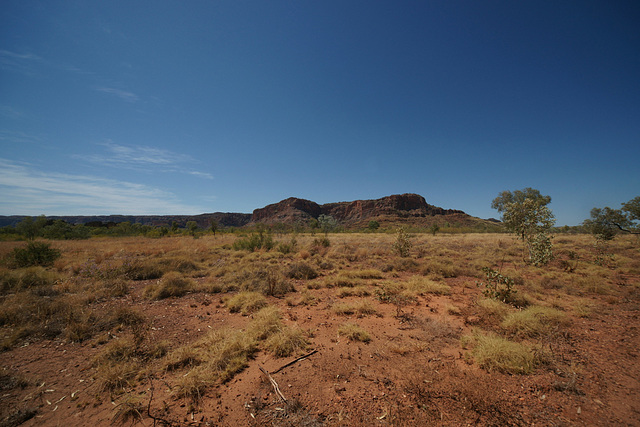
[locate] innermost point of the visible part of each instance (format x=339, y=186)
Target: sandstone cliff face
x=400, y=205
x=289, y=210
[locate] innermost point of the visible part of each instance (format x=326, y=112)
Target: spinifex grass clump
x=493, y=352
x=534, y=321
x=222, y=353
x=354, y=332
x=37, y=279
x=173, y=284
x=246, y=302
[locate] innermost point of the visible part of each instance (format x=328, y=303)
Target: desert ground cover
x=320, y=331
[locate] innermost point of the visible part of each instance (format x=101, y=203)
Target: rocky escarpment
x=294, y=210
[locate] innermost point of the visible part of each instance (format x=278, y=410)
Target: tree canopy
x=606, y=222
x=524, y=212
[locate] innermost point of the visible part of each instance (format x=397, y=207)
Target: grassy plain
x=175, y=330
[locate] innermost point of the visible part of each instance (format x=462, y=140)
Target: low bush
x=301, y=271
x=270, y=281
x=402, y=245
x=35, y=253
x=255, y=241
x=498, y=286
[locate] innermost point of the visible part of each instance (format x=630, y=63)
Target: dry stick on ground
x=274, y=384
x=294, y=361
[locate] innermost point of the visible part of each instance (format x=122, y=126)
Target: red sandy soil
x=411, y=373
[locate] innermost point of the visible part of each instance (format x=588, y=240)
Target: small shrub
x=540, y=250
x=270, y=281
x=498, y=286
x=301, y=271
x=323, y=242
x=289, y=247
x=354, y=332
x=402, y=245
x=35, y=253
x=255, y=241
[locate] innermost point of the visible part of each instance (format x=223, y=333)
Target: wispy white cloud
x=18, y=137
x=122, y=94
x=10, y=112
x=19, y=62
x=25, y=190
x=144, y=158
x=31, y=64
x=200, y=174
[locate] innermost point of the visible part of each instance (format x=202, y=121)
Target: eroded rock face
x=287, y=211
x=401, y=205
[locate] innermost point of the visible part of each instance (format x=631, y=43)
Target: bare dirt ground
x=417, y=368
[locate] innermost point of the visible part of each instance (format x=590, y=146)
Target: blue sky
x=170, y=107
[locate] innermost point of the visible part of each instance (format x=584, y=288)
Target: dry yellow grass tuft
x=354, y=332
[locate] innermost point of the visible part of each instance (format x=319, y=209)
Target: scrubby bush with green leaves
x=497, y=286
x=35, y=253
x=259, y=240
x=402, y=245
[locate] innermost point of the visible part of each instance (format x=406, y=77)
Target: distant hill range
x=411, y=209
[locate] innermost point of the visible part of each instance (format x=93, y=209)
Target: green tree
x=31, y=228
x=192, y=227
x=526, y=214
x=213, y=225
x=434, y=229
x=58, y=230
x=373, y=225
x=606, y=222
x=327, y=224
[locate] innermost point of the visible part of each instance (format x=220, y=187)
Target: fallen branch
x=294, y=361
x=274, y=384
